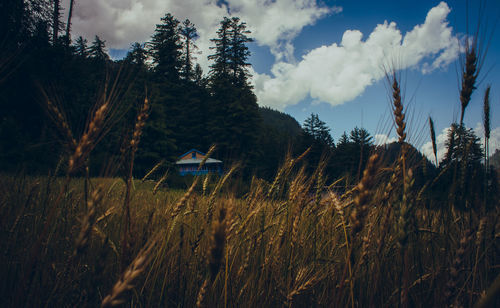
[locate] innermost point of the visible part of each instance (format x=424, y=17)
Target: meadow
x=294, y=242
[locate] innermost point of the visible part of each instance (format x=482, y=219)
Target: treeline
x=189, y=109
x=42, y=67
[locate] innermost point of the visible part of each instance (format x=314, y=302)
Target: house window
x=193, y=155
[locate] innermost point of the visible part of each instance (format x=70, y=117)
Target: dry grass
x=285, y=250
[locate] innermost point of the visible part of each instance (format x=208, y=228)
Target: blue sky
x=326, y=57
x=435, y=93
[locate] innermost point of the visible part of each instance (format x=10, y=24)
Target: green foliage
x=137, y=55
x=165, y=48
x=189, y=35
x=234, y=117
x=317, y=129
x=462, y=146
x=278, y=136
x=81, y=48
x=98, y=50
x=463, y=175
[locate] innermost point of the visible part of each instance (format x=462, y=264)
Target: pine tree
x=165, y=48
x=361, y=137
x=165, y=129
x=462, y=146
x=222, y=50
x=20, y=20
x=98, y=49
x=239, y=52
x=137, y=55
x=189, y=34
x=318, y=130
x=362, y=144
x=81, y=48
x=198, y=76
x=234, y=114
x=343, y=141
x=316, y=135
x=463, y=174
x=68, y=24
x=55, y=21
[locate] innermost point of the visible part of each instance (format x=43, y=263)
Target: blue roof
x=197, y=161
x=192, y=150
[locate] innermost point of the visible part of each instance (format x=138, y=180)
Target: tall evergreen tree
x=362, y=146
x=189, y=35
x=55, y=21
x=98, y=49
x=164, y=128
x=68, y=24
x=463, y=174
x=343, y=141
x=316, y=135
x=137, y=55
x=222, y=50
x=361, y=137
x=235, y=118
x=165, y=48
x=318, y=130
x=81, y=48
x=463, y=146
x=239, y=52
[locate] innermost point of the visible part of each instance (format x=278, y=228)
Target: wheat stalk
x=399, y=116
x=363, y=199
x=62, y=125
x=129, y=276
x=87, y=142
x=82, y=241
x=433, y=140
x=469, y=76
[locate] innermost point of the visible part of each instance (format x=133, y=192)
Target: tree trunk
x=68, y=25
x=55, y=23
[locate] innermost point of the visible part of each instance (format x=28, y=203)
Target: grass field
x=292, y=242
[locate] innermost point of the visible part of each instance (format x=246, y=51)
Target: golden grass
x=285, y=250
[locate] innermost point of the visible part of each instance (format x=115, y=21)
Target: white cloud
x=427, y=150
x=277, y=23
x=122, y=22
x=334, y=74
x=494, y=142
x=381, y=139
x=340, y=72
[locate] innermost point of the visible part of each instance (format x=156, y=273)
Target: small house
x=189, y=163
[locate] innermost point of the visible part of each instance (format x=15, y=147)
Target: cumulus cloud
x=121, y=22
x=427, y=150
x=339, y=73
x=381, y=139
x=494, y=142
